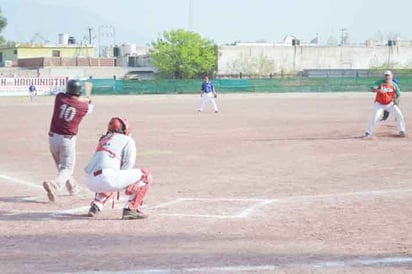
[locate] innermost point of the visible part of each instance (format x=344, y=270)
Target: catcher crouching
x=110, y=170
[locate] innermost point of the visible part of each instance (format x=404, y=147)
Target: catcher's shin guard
x=136, y=199
x=137, y=190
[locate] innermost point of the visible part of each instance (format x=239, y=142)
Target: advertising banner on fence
x=20, y=86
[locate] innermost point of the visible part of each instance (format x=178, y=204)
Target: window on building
x=56, y=53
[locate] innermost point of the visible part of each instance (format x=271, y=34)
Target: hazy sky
x=223, y=21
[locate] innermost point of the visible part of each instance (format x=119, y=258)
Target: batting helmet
x=119, y=125
x=74, y=87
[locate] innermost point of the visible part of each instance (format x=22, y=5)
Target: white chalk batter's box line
x=246, y=212
x=259, y=203
x=348, y=265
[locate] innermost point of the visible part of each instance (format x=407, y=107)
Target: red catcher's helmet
x=119, y=125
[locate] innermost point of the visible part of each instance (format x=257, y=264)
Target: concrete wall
x=37, y=51
x=262, y=59
x=78, y=72
x=267, y=59
x=65, y=62
x=69, y=51
x=85, y=72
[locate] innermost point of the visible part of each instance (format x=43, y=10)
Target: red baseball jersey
x=67, y=114
x=386, y=92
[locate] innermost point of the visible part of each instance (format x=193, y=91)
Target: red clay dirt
x=274, y=183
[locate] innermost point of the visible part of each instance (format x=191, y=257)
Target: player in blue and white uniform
x=208, y=94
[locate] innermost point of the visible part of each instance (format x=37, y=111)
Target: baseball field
x=273, y=183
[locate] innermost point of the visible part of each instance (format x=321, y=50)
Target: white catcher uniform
x=111, y=170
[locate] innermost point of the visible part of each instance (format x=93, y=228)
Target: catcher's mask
x=73, y=87
x=119, y=125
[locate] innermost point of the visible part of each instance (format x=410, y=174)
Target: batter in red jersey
x=386, y=92
x=68, y=112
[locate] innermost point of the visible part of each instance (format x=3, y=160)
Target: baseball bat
x=88, y=87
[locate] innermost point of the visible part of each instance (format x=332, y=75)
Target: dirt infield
x=274, y=183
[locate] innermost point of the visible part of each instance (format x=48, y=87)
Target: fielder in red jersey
x=386, y=92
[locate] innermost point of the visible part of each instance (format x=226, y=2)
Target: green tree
x=183, y=54
x=3, y=24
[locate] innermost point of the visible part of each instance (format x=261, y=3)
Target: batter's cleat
x=130, y=214
x=402, y=134
x=72, y=187
x=51, y=190
x=93, y=211
x=367, y=135
x=216, y=111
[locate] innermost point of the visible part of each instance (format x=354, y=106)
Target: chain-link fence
x=290, y=84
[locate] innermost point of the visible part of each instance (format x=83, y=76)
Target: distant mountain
x=29, y=21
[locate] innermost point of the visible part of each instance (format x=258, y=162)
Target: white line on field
x=284, y=199
x=168, y=203
x=58, y=213
x=250, y=209
x=246, y=212
x=225, y=199
x=199, y=215
x=301, y=197
x=18, y=181
x=356, y=263
x=262, y=202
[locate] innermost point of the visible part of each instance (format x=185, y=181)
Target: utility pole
x=391, y=44
x=90, y=36
x=342, y=37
